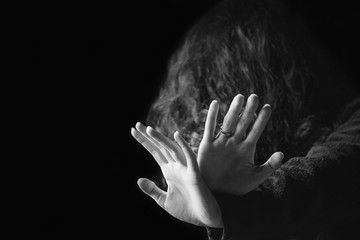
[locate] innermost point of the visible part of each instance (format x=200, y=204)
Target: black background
x=95, y=71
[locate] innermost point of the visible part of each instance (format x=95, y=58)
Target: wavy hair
x=244, y=46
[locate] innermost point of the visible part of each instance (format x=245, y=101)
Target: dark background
x=95, y=71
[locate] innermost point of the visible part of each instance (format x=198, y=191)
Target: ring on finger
x=226, y=133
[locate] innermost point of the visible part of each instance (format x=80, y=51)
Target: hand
x=226, y=161
x=187, y=198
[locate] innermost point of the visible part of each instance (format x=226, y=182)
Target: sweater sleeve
x=306, y=195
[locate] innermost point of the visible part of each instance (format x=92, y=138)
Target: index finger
x=210, y=124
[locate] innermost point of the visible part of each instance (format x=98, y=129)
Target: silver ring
x=225, y=133
x=232, y=133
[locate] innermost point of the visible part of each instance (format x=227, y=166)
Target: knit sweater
x=312, y=196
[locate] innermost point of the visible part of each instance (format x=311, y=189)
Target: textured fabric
x=311, y=197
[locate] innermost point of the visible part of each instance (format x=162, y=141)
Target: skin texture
x=225, y=163
x=187, y=197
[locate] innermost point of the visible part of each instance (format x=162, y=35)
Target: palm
x=224, y=173
x=180, y=200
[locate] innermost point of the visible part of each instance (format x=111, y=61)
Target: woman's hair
x=244, y=46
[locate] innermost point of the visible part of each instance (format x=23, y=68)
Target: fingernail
x=179, y=135
x=132, y=130
x=148, y=129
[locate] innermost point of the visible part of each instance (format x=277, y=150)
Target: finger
x=167, y=155
x=189, y=154
x=232, y=116
x=150, y=188
x=271, y=165
x=259, y=124
x=210, y=124
x=149, y=146
x=171, y=147
x=246, y=117
x=143, y=130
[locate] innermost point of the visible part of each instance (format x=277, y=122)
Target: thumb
x=150, y=189
x=274, y=161
x=272, y=164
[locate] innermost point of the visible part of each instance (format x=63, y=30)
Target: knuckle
x=256, y=131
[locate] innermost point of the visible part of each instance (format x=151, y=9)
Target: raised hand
x=187, y=198
x=226, y=160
